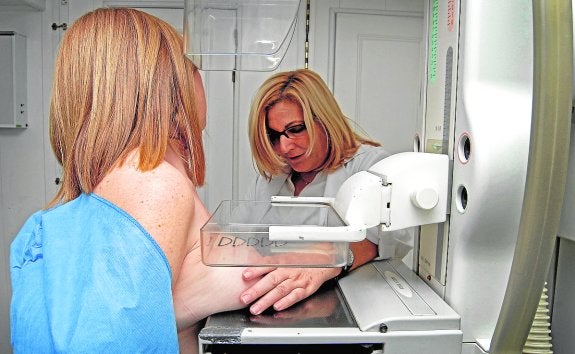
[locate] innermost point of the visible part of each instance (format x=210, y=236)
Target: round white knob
x=425, y=198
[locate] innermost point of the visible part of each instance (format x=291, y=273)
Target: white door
x=377, y=73
x=371, y=53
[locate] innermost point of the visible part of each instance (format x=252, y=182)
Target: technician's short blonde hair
x=307, y=89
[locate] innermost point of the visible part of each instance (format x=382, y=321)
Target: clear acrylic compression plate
x=237, y=234
x=247, y=35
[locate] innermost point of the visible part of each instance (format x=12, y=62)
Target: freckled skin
x=165, y=202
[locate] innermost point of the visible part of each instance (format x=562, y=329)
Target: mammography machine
x=403, y=190
x=486, y=184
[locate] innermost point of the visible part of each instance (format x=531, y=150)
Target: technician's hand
x=282, y=287
x=319, y=305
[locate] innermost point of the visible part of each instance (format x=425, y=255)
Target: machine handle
x=546, y=173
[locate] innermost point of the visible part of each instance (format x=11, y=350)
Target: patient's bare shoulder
x=161, y=200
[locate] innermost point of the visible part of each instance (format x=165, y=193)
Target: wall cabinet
x=13, y=109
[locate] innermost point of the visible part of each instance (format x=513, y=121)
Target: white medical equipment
x=404, y=190
x=380, y=304
x=480, y=68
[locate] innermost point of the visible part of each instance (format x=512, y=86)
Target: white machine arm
x=403, y=190
x=413, y=191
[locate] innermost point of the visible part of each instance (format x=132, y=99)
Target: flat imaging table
x=380, y=307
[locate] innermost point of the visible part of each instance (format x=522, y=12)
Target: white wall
x=24, y=181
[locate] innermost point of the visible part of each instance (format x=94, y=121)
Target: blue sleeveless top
x=87, y=277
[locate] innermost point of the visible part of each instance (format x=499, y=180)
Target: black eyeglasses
x=294, y=131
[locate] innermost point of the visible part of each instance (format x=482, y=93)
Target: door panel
x=377, y=71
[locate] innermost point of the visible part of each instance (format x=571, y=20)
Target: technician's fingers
x=254, y=272
x=289, y=287
x=283, y=287
x=263, y=286
x=272, y=296
x=295, y=296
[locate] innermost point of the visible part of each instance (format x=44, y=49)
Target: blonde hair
x=309, y=91
x=121, y=83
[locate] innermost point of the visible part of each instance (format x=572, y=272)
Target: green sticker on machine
x=433, y=40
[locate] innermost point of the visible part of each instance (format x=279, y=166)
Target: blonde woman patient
x=113, y=263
